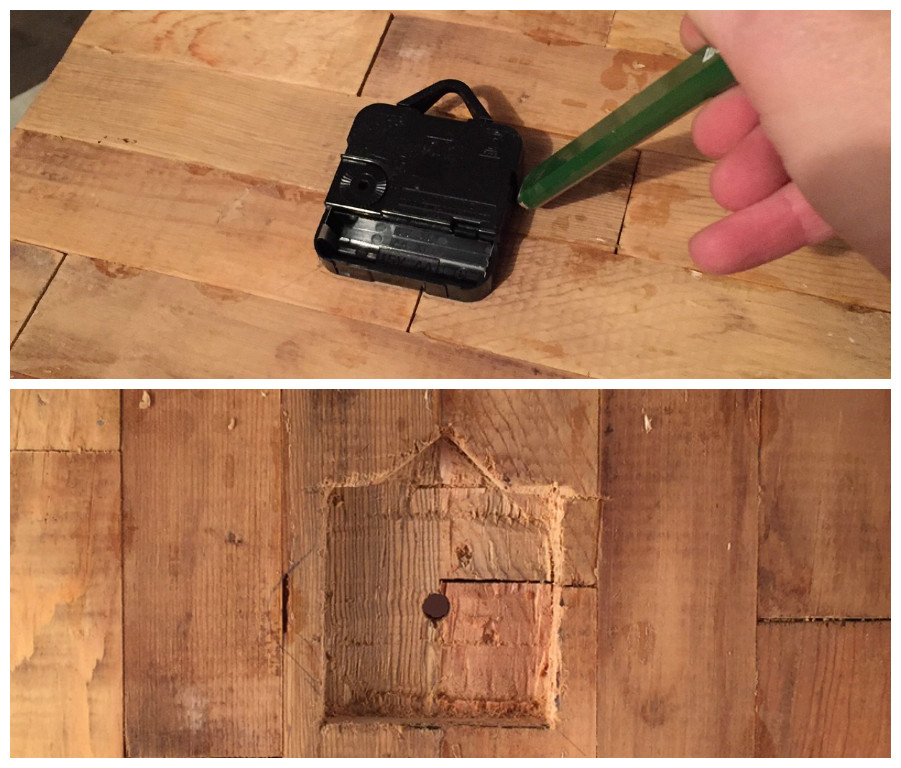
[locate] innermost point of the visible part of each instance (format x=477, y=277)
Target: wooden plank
x=370, y=740
x=64, y=420
x=574, y=732
x=30, y=271
x=553, y=28
x=677, y=599
x=65, y=605
x=581, y=538
x=498, y=428
x=201, y=496
x=561, y=89
x=824, y=689
x=670, y=202
x=825, y=542
x=139, y=106
x=100, y=320
x=648, y=32
x=334, y=437
x=260, y=128
x=323, y=49
x=583, y=309
x=238, y=233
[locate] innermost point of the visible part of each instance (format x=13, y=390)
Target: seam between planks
x=610, y=29
x=66, y=450
x=122, y=561
x=822, y=619
x=38, y=299
x=522, y=361
x=622, y=224
x=375, y=54
x=415, y=307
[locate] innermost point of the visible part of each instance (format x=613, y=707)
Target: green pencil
x=701, y=76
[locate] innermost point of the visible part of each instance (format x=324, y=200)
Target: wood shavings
x=145, y=402
x=231, y=423
x=648, y=424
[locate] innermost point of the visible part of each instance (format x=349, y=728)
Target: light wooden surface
x=276, y=548
x=824, y=689
x=64, y=420
x=65, y=578
x=30, y=270
x=200, y=145
x=825, y=504
x=683, y=550
x=202, y=562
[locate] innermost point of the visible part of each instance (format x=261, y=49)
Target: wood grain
x=323, y=49
x=237, y=233
x=491, y=660
x=574, y=732
x=824, y=689
x=261, y=128
x=64, y=420
x=101, y=320
x=529, y=437
x=585, y=310
x=553, y=28
x=677, y=599
x=371, y=740
x=581, y=538
x=647, y=32
x=202, y=513
x=30, y=270
x=332, y=437
x=826, y=504
x=563, y=89
x=670, y=202
x=65, y=605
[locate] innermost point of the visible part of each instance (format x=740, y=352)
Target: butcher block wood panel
x=323, y=49
x=65, y=605
x=200, y=145
x=64, y=420
x=825, y=476
x=201, y=492
x=603, y=554
x=824, y=689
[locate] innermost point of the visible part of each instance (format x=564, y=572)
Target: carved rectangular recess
x=441, y=525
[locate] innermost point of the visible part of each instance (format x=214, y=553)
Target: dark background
x=37, y=41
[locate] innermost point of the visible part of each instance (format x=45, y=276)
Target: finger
x=773, y=227
x=723, y=122
x=692, y=39
x=750, y=172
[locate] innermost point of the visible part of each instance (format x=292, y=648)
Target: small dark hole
x=363, y=184
x=436, y=606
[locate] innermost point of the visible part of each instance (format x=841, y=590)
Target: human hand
x=803, y=143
